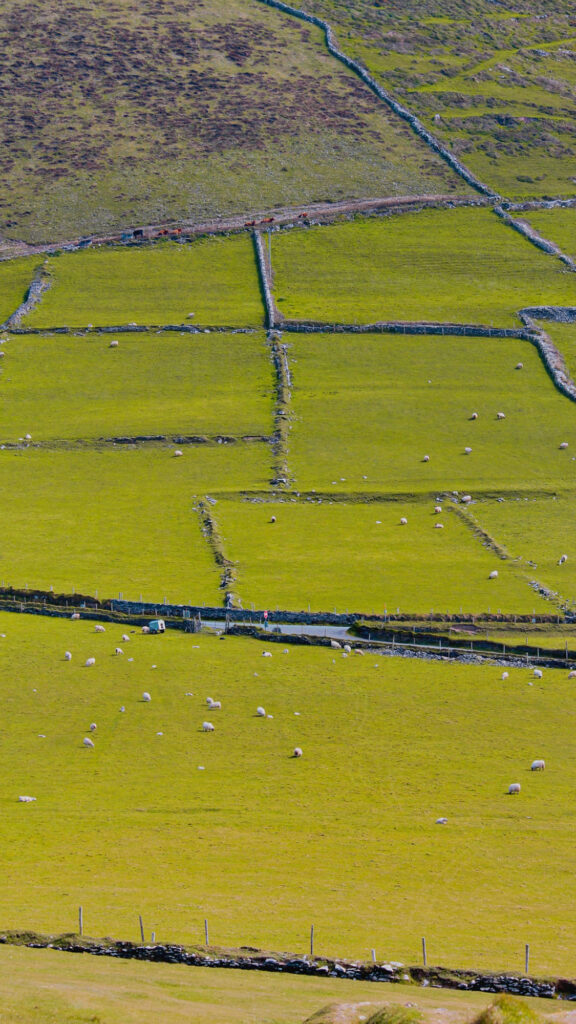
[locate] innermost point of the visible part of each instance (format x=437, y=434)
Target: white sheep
x=207, y=727
x=403, y=521
x=500, y=416
x=466, y=498
x=67, y=656
x=216, y=705
x=347, y=648
x=441, y=821
x=538, y=765
x=75, y=615
x=297, y=752
x=93, y=727
x=89, y=662
x=537, y=673
x=438, y=526
x=572, y=674
x=504, y=675
x=467, y=451
x=26, y=799
x=266, y=654
x=113, y=344
x=426, y=458
x=514, y=788
x=178, y=453
x=125, y=638
x=261, y=713
x=145, y=629
x=335, y=645
x=87, y=742
x=493, y=575
x=564, y=445
x=519, y=366
x=437, y=509
x=118, y=651
x=146, y=697
x=272, y=519
x=474, y=416
x=562, y=559
x=99, y=629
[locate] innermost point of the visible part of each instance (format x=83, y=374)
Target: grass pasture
x=119, y=520
x=564, y=337
x=368, y=408
x=453, y=266
x=539, y=530
x=16, y=276
x=557, y=225
x=78, y=387
x=263, y=845
x=353, y=557
x=215, y=279
x=54, y=988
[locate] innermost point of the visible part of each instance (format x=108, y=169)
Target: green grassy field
x=359, y=558
x=15, y=279
x=216, y=280
x=369, y=408
x=118, y=520
x=210, y=112
x=564, y=336
x=459, y=266
x=261, y=844
x=494, y=83
x=558, y=225
x=539, y=530
x=47, y=987
x=70, y=387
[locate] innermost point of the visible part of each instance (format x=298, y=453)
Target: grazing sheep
x=500, y=416
x=87, y=742
x=403, y=521
x=493, y=575
x=146, y=697
x=466, y=498
x=438, y=526
x=178, y=453
x=562, y=559
x=441, y=821
x=426, y=458
x=207, y=727
x=513, y=788
x=519, y=366
x=125, y=637
x=75, y=615
x=89, y=661
x=438, y=509
x=216, y=705
x=67, y=656
x=266, y=654
x=297, y=752
x=99, y=629
x=209, y=701
x=538, y=765
x=537, y=673
x=113, y=344
x=474, y=416
x=118, y=651
x=272, y=519
x=467, y=451
x=335, y=645
x=26, y=799
x=347, y=648
x=564, y=445
x=504, y=675
x=286, y=651
x=572, y=674
x=93, y=727
x=145, y=629
x=261, y=712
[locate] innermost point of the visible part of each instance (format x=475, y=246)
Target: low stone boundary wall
x=40, y=284
x=533, y=236
x=399, y=327
x=265, y=283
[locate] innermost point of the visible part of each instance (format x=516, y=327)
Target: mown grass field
x=78, y=387
x=356, y=558
x=118, y=520
x=15, y=278
x=186, y=825
x=135, y=117
x=558, y=225
x=494, y=83
x=54, y=988
x=368, y=408
x=458, y=266
x=540, y=530
x=216, y=280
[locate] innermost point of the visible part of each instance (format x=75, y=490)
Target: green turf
x=215, y=110
x=358, y=558
x=215, y=279
x=373, y=406
x=48, y=987
x=117, y=521
x=459, y=266
x=79, y=387
x=564, y=337
x=558, y=225
x=263, y=845
x=538, y=530
x=15, y=279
